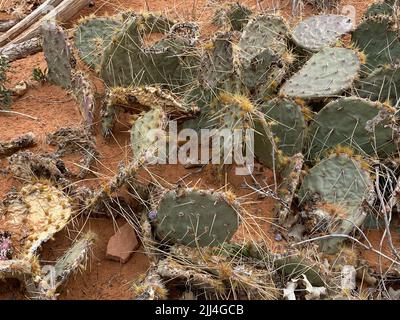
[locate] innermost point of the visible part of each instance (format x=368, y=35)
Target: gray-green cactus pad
x=321, y=31
x=328, y=73
x=263, y=42
x=58, y=54
x=196, y=218
x=92, y=37
x=380, y=8
x=235, y=15
x=287, y=124
x=127, y=62
x=265, y=148
x=355, y=122
x=378, y=39
x=383, y=84
x=340, y=181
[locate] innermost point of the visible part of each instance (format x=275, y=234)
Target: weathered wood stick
x=21, y=50
x=6, y=25
x=30, y=19
x=63, y=13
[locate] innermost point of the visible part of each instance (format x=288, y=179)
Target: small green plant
x=5, y=94
x=38, y=75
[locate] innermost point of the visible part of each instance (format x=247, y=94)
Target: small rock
x=122, y=244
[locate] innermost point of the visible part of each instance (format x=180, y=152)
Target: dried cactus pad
x=321, y=31
x=339, y=180
x=355, y=122
x=38, y=212
x=145, y=133
x=196, y=218
x=287, y=124
x=328, y=73
x=92, y=36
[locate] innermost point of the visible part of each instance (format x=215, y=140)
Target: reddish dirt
x=55, y=108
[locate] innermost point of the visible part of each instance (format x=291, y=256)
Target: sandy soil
x=54, y=108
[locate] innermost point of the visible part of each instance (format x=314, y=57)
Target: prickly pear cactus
x=142, y=98
x=342, y=184
x=146, y=131
x=217, y=62
x=318, y=32
x=265, y=148
x=290, y=177
x=383, y=84
x=379, y=8
x=31, y=217
x=328, y=73
x=93, y=35
x=262, y=44
x=83, y=91
x=287, y=124
x=73, y=260
x=378, y=38
x=234, y=15
x=196, y=218
x=126, y=61
x=57, y=51
x=361, y=124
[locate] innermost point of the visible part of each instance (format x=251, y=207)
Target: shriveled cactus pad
x=328, y=73
x=145, y=132
x=32, y=217
x=355, y=122
x=196, y=217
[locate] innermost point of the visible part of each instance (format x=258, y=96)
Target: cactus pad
x=342, y=183
x=93, y=36
x=145, y=132
x=328, y=73
x=378, y=39
x=128, y=62
x=234, y=15
x=383, y=84
x=58, y=54
x=355, y=122
x=321, y=31
x=196, y=218
x=263, y=42
x=287, y=123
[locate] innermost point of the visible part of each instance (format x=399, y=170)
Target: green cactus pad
x=339, y=181
x=380, y=8
x=378, y=39
x=196, y=218
x=328, y=73
x=263, y=42
x=355, y=122
x=145, y=132
x=93, y=36
x=217, y=62
x=265, y=148
x=234, y=15
x=127, y=62
x=321, y=31
x=58, y=54
x=383, y=84
x=287, y=124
